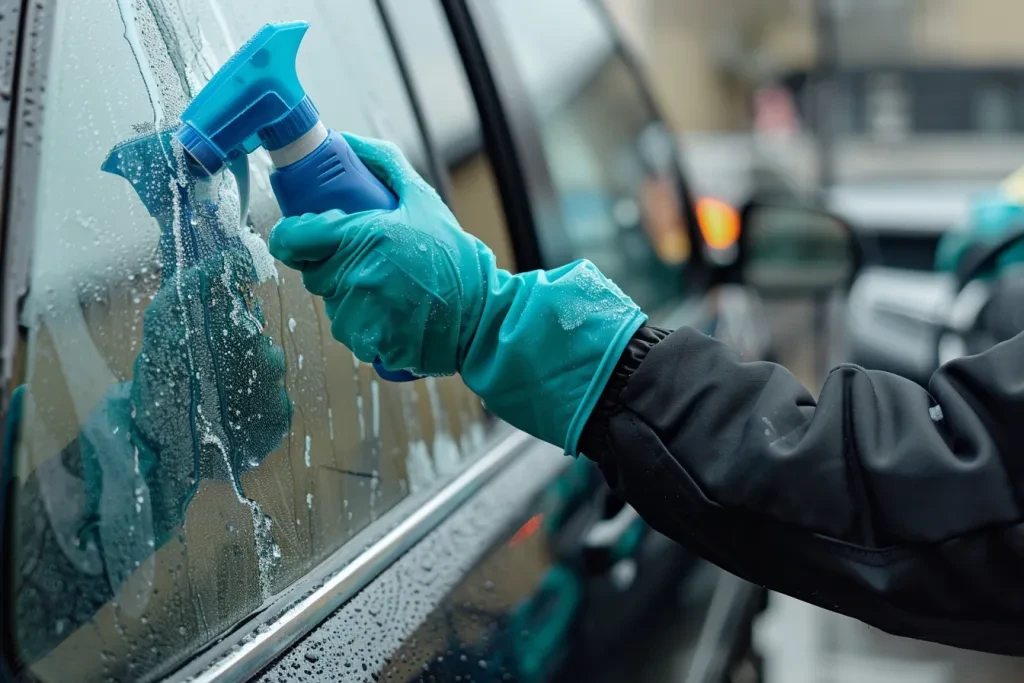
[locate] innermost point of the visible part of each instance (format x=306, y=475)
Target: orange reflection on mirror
x=719, y=222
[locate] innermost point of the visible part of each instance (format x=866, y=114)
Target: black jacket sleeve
x=895, y=505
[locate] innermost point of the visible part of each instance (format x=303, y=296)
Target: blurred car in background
x=910, y=153
x=915, y=149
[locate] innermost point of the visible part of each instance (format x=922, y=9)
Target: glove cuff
x=545, y=345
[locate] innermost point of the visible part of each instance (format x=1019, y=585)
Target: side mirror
x=793, y=250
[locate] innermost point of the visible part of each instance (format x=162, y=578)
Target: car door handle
x=609, y=540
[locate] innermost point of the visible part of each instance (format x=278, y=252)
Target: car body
x=394, y=532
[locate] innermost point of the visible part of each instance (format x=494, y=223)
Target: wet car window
x=619, y=205
x=192, y=440
x=453, y=120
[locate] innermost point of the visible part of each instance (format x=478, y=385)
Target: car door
x=163, y=525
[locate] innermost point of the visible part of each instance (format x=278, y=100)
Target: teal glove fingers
x=412, y=288
x=312, y=239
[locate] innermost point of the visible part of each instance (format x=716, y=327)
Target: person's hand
x=412, y=288
x=405, y=286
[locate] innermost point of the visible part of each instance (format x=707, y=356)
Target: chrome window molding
x=302, y=607
x=368, y=630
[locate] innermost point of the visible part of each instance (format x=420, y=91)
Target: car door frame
x=268, y=634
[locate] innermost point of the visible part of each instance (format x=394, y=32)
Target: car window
x=451, y=115
x=619, y=205
x=193, y=441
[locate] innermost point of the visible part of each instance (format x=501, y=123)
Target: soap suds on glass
x=267, y=551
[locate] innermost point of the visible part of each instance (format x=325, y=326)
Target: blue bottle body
x=333, y=177
x=330, y=177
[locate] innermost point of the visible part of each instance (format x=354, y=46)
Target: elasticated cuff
x=596, y=428
x=605, y=369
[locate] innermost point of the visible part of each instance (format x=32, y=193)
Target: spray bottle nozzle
x=254, y=100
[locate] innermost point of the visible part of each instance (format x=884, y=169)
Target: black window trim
x=435, y=160
x=510, y=134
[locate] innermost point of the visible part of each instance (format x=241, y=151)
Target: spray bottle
x=255, y=100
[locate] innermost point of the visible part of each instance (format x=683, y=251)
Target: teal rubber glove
x=412, y=288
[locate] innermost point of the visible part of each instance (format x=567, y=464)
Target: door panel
x=501, y=591
x=447, y=599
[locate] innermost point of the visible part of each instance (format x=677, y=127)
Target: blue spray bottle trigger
x=256, y=100
x=254, y=96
